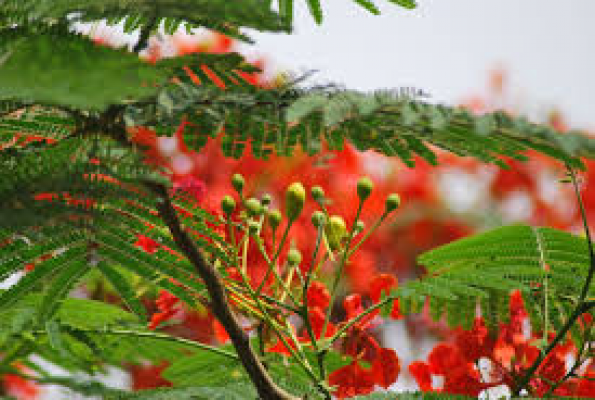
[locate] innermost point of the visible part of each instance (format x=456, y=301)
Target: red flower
x=353, y=305
x=318, y=295
x=280, y=347
x=147, y=244
x=384, y=283
x=191, y=185
x=386, y=367
x=444, y=358
x=463, y=380
x=421, y=372
x=476, y=343
x=553, y=368
x=166, y=303
x=220, y=332
x=19, y=387
x=316, y=317
x=352, y=380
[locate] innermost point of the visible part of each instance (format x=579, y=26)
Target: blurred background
x=447, y=48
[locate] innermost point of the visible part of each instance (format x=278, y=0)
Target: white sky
x=448, y=47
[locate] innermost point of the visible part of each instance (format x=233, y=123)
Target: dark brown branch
x=265, y=386
x=267, y=389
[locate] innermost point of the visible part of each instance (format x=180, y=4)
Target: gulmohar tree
x=97, y=146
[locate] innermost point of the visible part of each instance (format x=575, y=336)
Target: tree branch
x=267, y=389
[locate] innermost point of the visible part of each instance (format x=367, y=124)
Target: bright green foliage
x=75, y=194
x=225, y=16
x=541, y=262
x=85, y=334
x=280, y=120
x=93, y=217
x=398, y=125
x=89, y=76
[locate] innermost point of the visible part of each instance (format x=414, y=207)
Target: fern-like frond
x=286, y=8
x=226, y=16
x=89, y=76
x=394, y=123
x=81, y=195
x=543, y=263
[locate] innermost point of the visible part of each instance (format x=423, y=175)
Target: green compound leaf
x=73, y=72
x=543, y=263
x=225, y=16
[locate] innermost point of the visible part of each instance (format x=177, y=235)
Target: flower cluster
x=476, y=360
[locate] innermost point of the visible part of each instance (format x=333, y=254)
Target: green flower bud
x=336, y=231
x=228, y=204
x=253, y=227
x=364, y=188
x=275, y=219
x=266, y=199
x=294, y=257
x=237, y=181
x=253, y=207
x=318, y=218
x=393, y=201
x=317, y=193
x=294, y=200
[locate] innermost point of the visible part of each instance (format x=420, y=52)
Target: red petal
x=317, y=317
x=220, y=332
x=386, y=367
x=351, y=380
x=146, y=243
x=444, y=358
x=421, y=372
x=280, y=348
x=353, y=305
x=381, y=283
x=318, y=295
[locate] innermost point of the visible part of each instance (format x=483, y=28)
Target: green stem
x=272, y=267
x=339, y=272
x=367, y=235
x=274, y=261
x=268, y=320
x=304, y=310
x=156, y=335
x=160, y=336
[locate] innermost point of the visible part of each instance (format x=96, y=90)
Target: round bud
x=294, y=200
x=253, y=207
x=336, y=231
x=318, y=218
x=228, y=204
x=294, y=257
x=317, y=193
x=275, y=219
x=237, y=181
x=253, y=227
x=392, y=202
x=266, y=199
x=359, y=226
x=364, y=188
